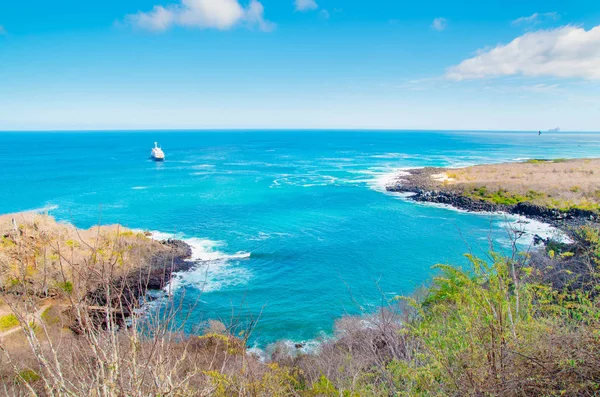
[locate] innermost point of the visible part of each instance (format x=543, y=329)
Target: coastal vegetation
x=562, y=192
x=560, y=184
x=505, y=197
x=523, y=324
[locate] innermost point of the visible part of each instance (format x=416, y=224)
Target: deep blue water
x=294, y=224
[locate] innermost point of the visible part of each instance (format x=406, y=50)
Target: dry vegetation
x=561, y=184
x=524, y=325
x=47, y=258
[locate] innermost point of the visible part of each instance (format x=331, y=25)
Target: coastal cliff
x=520, y=325
x=563, y=193
x=104, y=265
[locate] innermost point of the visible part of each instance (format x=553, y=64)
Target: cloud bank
x=202, y=14
x=568, y=52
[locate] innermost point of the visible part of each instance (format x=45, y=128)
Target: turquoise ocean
x=293, y=225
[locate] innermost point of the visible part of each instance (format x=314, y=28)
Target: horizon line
x=282, y=129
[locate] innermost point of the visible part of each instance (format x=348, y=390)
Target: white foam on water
x=202, y=166
x=139, y=188
x=46, y=208
x=266, y=236
x=528, y=228
x=305, y=347
x=205, y=250
x=390, y=156
x=210, y=276
x=214, y=269
x=156, y=235
x=304, y=180
x=381, y=178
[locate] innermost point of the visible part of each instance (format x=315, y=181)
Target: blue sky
x=518, y=65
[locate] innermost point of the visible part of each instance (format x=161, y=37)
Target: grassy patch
x=541, y=161
x=50, y=316
x=6, y=242
x=568, y=205
x=586, y=206
x=8, y=321
x=66, y=286
x=27, y=376
x=503, y=196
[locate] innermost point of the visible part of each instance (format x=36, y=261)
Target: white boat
x=157, y=154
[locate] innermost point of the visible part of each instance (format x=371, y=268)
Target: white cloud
x=567, y=52
x=439, y=24
x=536, y=18
x=324, y=14
x=158, y=19
x=541, y=88
x=306, y=5
x=255, y=16
x=203, y=14
x=2, y=30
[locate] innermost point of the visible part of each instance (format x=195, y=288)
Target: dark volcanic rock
x=164, y=264
x=426, y=189
x=127, y=291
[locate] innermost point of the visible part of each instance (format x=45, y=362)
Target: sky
x=300, y=64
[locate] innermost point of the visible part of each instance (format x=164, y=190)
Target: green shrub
x=8, y=321
x=27, y=376
x=50, y=316
x=66, y=286
x=489, y=330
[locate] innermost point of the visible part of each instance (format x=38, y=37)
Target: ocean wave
x=304, y=180
x=528, y=228
x=214, y=269
x=46, y=208
x=202, y=166
x=294, y=348
x=139, y=188
x=390, y=156
x=382, y=177
x=266, y=236
x=525, y=228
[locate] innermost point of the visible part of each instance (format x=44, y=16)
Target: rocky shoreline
x=154, y=276
x=423, y=187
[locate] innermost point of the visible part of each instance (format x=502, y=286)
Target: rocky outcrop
x=164, y=264
x=419, y=182
x=127, y=291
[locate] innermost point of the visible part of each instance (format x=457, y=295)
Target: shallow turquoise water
x=292, y=224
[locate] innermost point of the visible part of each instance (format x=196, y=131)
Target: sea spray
x=214, y=269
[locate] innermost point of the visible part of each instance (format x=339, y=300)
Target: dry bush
x=92, y=339
x=511, y=327
x=43, y=257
